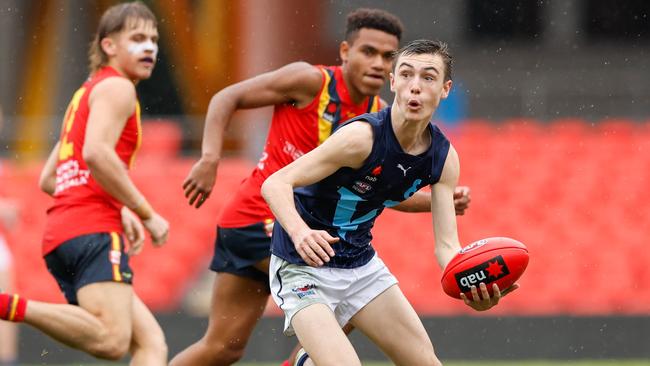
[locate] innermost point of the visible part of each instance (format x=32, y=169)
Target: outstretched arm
x=442, y=210
x=296, y=83
x=447, y=243
x=421, y=201
x=349, y=147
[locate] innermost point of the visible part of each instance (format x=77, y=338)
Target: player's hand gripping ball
x=492, y=260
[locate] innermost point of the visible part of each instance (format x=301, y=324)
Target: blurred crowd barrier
x=575, y=193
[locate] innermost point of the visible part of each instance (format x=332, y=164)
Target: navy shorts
x=237, y=250
x=88, y=259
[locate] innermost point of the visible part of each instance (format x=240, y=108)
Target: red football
x=492, y=260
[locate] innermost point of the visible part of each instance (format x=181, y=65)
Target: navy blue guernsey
x=347, y=202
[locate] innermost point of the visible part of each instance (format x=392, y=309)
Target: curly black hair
x=373, y=19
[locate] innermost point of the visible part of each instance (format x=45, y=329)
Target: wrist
x=210, y=159
x=143, y=210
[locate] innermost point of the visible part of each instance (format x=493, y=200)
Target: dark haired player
x=324, y=272
x=310, y=103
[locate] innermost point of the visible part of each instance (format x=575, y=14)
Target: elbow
x=46, y=183
x=267, y=187
x=91, y=156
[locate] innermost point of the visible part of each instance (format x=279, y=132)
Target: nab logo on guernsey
x=307, y=290
x=486, y=272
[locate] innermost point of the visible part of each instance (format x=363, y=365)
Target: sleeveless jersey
x=293, y=132
x=81, y=206
x=346, y=203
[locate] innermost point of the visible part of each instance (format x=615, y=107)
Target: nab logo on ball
x=486, y=272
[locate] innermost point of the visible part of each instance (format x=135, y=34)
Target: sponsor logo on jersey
x=401, y=167
x=70, y=175
x=307, y=290
x=486, y=272
x=330, y=112
x=292, y=151
x=361, y=187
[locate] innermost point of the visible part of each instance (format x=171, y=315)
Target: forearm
x=419, y=202
x=47, y=179
x=109, y=172
x=279, y=196
x=219, y=114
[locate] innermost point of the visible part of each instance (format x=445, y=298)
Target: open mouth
x=147, y=60
x=413, y=103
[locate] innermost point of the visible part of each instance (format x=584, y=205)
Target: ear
x=446, y=88
x=392, y=81
x=108, y=46
x=344, y=49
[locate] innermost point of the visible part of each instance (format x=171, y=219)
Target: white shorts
x=344, y=290
x=5, y=255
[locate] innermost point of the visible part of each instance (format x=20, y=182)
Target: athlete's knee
x=112, y=347
x=224, y=353
x=430, y=359
x=154, y=343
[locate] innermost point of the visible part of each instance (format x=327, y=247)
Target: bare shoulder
x=451, y=169
x=117, y=91
x=304, y=70
x=354, y=140
x=301, y=75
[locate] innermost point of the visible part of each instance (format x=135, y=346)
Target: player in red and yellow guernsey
x=310, y=103
x=97, y=209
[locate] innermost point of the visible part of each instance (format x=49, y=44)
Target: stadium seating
x=574, y=192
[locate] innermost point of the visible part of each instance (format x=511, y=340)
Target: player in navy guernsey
x=346, y=203
x=323, y=271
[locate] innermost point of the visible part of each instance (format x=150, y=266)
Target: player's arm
x=349, y=147
x=421, y=201
x=47, y=180
x=296, y=83
x=111, y=103
x=442, y=210
x=446, y=232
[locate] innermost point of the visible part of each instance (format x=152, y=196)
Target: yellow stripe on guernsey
x=138, y=122
x=375, y=104
x=324, y=126
x=115, y=246
x=14, y=307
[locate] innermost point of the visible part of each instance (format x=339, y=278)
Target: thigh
x=406, y=342
x=111, y=303
x=322, y=337
x=237, y=304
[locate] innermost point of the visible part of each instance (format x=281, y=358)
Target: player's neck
x=412, y=135
x=115, y=66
